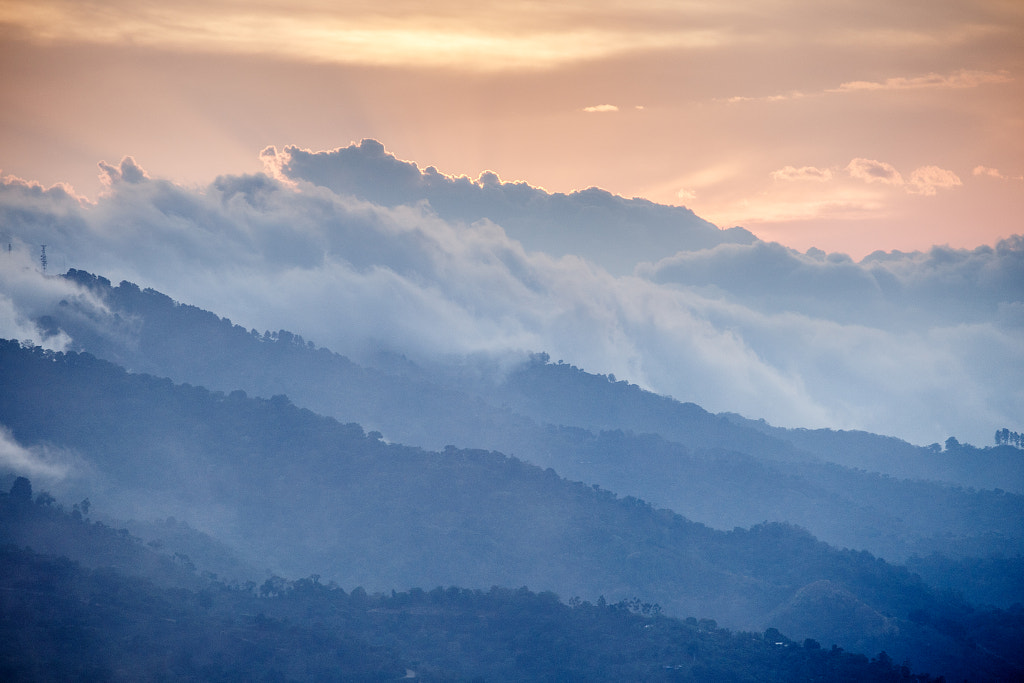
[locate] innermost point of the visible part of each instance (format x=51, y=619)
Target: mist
x=920, y=346
x=40, y=463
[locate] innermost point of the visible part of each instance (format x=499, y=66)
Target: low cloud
x=891, y=344
x=27, y=296
x=891, y=291
x=35, y=463
x=600, y=108
x=911, y=335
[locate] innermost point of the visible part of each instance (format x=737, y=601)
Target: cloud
x=919, y=345
x=791, y=173
x=956, y=80
x=27, y=296
x=36, y=462
x=926, y=179
x=795, y=95
x=871, y=171
x=600, y=108
x=126, y=172
x=449, y=35
x=611, y=231
x=899, y=333
x=964, y=78
x=994, y=173
x=890, y=291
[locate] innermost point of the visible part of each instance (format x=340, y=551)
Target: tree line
x=1004, y=437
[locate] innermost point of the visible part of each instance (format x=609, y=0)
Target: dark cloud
x=611, y=231
x=894, y=290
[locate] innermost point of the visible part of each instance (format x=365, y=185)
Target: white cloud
x=963, y=78
x=36, y=462
x=127, y=172
x=926, y=179
x=795, y=95
x=791, y=173
x=26, y=295
x=956, y=80
x=601, y=108
x=871, y=171
x=994, y=173
x=891, y=344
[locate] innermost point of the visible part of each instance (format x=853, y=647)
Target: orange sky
x=850, y=126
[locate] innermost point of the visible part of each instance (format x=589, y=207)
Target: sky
x=846, y=126
x=395, y=177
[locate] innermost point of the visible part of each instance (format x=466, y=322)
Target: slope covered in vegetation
x=62, y=619
x=302, y=494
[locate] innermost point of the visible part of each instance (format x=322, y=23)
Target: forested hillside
x=586, y=427
x=304, y=494
x=64, y=619
x=1000, y=467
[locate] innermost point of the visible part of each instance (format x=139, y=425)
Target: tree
x=1004, y=437
x=21, y=491
x=80, y=510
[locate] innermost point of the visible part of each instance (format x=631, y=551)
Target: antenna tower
x=42, y=258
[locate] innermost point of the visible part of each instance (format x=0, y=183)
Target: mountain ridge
x=532, y=409
x=311, y=495
x=66, y=619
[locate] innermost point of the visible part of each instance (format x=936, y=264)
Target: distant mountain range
x=850, y=489
x=92, y=602
x=292, y=492
x=300, y=494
